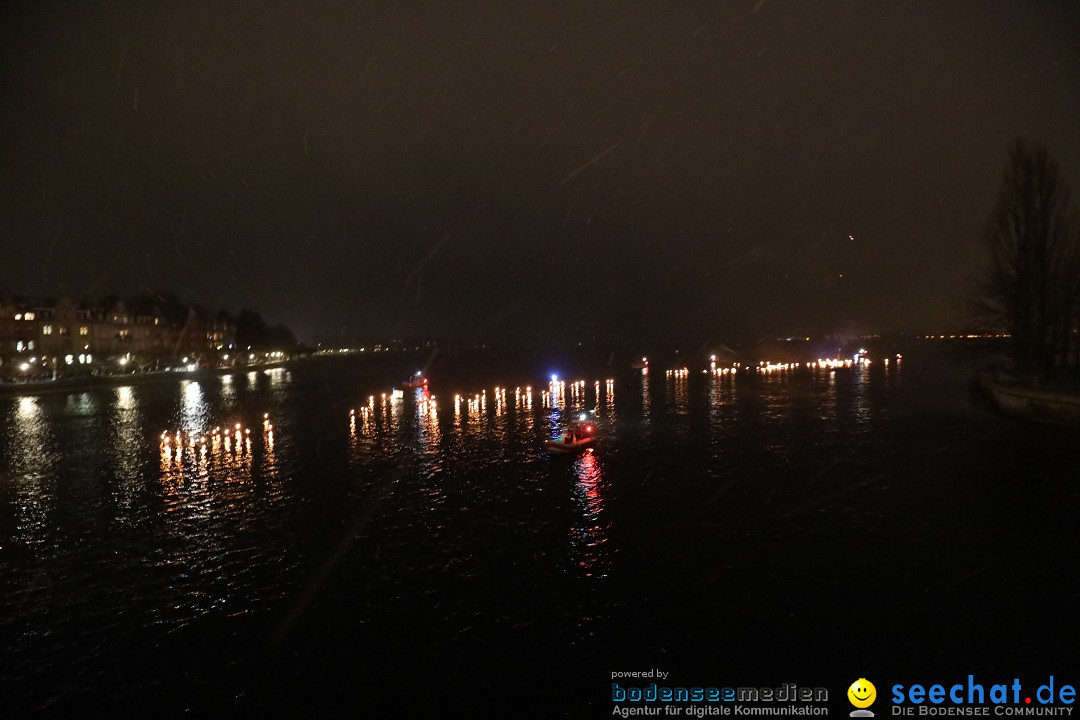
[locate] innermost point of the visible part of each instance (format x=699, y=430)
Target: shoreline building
x=37, y=327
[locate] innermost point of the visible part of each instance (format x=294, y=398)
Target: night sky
x=492, y=169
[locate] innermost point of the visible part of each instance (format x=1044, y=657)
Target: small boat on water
x=565, y=446
x=642, y=364
x=578, y=437
x=416, y=381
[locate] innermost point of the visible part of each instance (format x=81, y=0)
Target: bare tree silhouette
x=1031, y=282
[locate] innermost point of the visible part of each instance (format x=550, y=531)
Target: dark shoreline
x=1043, y=405
x=96, y=382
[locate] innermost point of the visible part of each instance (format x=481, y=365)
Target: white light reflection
x=128, y=447
x=194, y=410
x=32, y=458
x=228, y=390
x=646, y=400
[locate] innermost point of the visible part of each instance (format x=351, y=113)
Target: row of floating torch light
x=236, y=437
x=767, y=367
x=557, y=393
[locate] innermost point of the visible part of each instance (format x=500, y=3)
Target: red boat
x=416, y=381
x=579, y=437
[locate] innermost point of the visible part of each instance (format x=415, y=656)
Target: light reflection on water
x=128, y=445
x=194, y=410
x=777, y=399
x=278, y=376
x=861, y=409
x=228, y=391
x=646, y=399
x=82, y=404
x=590, y=536
x=723, y=410
x=30, y=452
x=678, y=393
x=225, y=520
x=486, y=427
x=217, y=468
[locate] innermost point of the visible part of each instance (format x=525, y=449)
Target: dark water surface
x=430, y=557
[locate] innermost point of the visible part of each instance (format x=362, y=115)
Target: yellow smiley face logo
x=862, y=693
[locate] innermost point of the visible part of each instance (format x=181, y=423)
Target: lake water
x=429, y=556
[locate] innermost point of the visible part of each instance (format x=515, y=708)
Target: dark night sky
x=469, y=170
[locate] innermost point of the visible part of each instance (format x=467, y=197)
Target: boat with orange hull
x=565, y=446
x=578, y=437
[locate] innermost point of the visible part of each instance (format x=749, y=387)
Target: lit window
x=28, y=316
x=46, y=329
x=64, y=330
x=84, y=330
x=18, y=316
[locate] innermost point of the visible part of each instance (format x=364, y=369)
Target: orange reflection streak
x=427, y=415
x=678, y=390
x=363, y=429
x=721, y=396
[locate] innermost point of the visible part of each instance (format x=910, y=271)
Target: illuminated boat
x=577, y=438
x=416, y=381
x=642, y=364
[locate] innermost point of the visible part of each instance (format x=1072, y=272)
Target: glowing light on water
x=194, y=409
x=590, y=536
